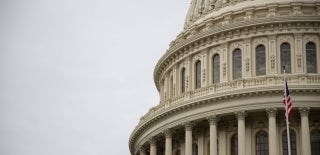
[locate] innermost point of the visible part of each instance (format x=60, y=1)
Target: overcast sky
x=76, y=75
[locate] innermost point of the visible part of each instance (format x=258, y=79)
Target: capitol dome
x=221, y=82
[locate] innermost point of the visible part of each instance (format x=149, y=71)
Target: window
x=285, y=56
x=262, y=147
x=292, y=142
x=236, y=62
x=194, y=149
x=311, y=57
x=216, y=68
x=198, y=74
x=260, y=60
x=315, y=142
x=234, y=144
x=183, y=80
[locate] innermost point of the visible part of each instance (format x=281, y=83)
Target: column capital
x=240, y=115
x=272, y=112
x=152, y=141
x=188, y=126
x=167, y=133
x=213, y=119
x=304, y=111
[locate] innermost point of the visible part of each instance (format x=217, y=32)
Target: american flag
x=287, y=101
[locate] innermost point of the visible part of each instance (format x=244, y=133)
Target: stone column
x=241, y=132
x=305, y=136
x=200, y=142
x=168, y=147
x=142, y=150
x=213, y=135
x=272, y=112
x=188, y=138
x=153, y=146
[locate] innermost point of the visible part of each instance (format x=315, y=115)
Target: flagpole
x=286, y=108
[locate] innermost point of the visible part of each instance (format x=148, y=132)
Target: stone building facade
x=221, y=82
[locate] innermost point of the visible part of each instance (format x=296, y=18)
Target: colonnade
x=241, y=115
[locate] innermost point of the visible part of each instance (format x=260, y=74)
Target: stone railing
x=225, y=88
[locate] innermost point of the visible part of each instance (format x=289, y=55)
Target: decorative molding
x=241, y=115
x=213, y=120
x=188, y=126
x=273, y=61
x=272, y=112
x=152, y=141
x=299, y=59
x=167, y=133
x=304, y=111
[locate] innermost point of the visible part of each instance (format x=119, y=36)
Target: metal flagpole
x=286, y=107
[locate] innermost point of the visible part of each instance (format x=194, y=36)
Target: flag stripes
x=287, y=100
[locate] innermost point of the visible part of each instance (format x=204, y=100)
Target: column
x=223, y=138
x=272, y=112
x=200, y=142
x=142, y=150
x=241, y=132
x=188, y=138
x=213, y=135
x=153, y=146
x=305, y=136
x=168, y=147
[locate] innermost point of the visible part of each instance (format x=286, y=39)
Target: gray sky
x=76, y=75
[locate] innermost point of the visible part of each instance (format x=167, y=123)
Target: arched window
x=234, y=144
x=260, y=60
x=237, y=65
x=315, y=142
x=183, y=80
x=194, y=149
x=216, y=68
x=311, y=55
x=198, y=74
x=262, y=147
x=292, y=142
x=285, y=56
